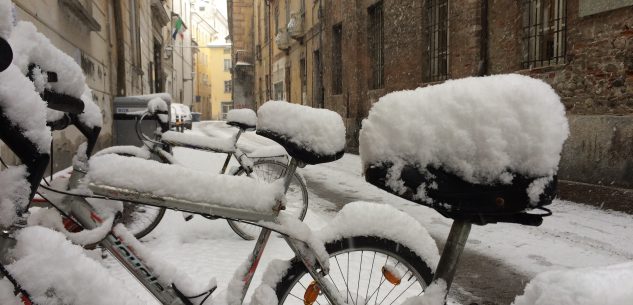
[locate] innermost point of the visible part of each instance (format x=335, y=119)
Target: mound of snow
x=24, y=107
x=243, y=116
x=317, y=130
x=32, y=47
x=14, y=193
x=611, y=285
x=483, y=129
x=54, y=271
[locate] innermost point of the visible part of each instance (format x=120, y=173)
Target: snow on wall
x=244, y=116
x=381, y=220
x=14, y=193
x=610, y=285
x=480, y=128
x=50, y=268
x=318, y=130
x=24, y=107
x=179, y=182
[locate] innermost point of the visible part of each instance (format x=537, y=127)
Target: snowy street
x=499, y=258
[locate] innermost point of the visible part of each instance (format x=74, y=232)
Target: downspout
x=120, y=49
x=483, y=40
x=270, y=54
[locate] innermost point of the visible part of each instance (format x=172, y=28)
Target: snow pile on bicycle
x=486, y=130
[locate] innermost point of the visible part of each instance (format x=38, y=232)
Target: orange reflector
x=311, y=294
x=389, y=276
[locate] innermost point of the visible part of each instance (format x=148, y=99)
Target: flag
x=179, y=28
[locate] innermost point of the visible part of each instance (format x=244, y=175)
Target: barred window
x=544, y=32
x=228, y=86
x=437, y=31
x=227, y=64
x=337, y=59
x=376, y=45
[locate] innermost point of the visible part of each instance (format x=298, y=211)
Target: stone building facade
x=368, y=48
x=241, y=35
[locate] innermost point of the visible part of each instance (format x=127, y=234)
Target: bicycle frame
x=88, y=218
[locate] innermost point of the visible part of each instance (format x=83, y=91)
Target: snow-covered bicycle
x=261, y=165
x=352, y=238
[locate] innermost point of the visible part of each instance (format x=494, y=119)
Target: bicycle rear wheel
x=296, y=197
x=364, y=269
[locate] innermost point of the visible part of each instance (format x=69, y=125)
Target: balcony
x=295, y=26
x=243, y=58
x=282, y=40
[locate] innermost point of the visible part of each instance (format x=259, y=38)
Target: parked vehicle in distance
x=185, y=115
x=176, y=118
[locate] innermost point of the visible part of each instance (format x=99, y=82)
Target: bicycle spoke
x=401, y=293
x=371, y=271
x=360, y=270
x=344, y=280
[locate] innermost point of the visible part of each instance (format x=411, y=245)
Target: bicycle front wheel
x=364, y=269
x=296, y=196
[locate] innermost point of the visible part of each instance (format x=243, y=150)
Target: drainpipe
x=483, y=40
x=120, y=49
x=270, y=53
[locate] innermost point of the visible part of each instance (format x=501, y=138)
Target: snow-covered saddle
x=244, y=118
x=480, y=149
x=308, y=134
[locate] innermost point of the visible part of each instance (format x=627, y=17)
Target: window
x=226, y=107
x=544, y=32
x=376, y=45
x=227, y=64
x=437, y=31
x=276, y=20
x=304, y=79
x=278, y=91
x=337, y=59
x=267, y=22
x=228, y=86
x=135, y=34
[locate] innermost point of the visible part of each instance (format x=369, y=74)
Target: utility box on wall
x=127, y=110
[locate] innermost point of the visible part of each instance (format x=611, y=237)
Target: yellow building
x=203, y=34
x=220, y=79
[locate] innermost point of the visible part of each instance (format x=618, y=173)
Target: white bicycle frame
x=88, y=218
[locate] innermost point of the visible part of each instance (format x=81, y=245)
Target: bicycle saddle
x=480, y=149
x=310, y=135
x=244, y=119
x=6, y=54
x=453, y=197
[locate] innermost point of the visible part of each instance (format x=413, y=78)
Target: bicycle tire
x=271, y=170
x=296, y=279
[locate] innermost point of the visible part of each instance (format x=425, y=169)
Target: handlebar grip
x=63, y=102
x=6, y=54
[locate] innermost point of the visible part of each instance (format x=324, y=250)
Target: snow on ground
x=575, y=236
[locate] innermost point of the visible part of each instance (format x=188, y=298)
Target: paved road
x=480, y=279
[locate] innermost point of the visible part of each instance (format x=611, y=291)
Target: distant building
x=345, y=55
x=221, y=81
x=241, y=36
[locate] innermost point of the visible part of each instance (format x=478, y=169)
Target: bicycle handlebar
x=63, y=102
x=6, y=54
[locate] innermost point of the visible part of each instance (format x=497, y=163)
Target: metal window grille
x=337, y=59
x=266, y=22
x=544, y=32
x=376, y=45
x=437, y=31
x=228, y=86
